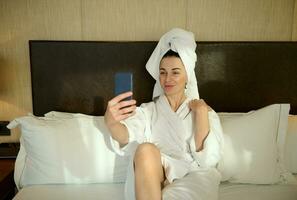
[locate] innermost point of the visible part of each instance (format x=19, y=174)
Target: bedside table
x=7, y=186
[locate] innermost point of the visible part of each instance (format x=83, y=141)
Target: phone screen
x=123, y=83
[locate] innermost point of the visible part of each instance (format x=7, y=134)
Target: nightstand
x=7, y=186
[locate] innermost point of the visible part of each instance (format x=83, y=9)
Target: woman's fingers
x=119, y=98
x=125, y=116
x=127, y=103
x=127, y=110
x=117, y=109
x=209, y=108
x=198, y=104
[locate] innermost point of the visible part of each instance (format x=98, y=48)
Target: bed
x=65, y=151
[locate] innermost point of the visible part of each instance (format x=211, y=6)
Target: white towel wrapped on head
x=182, y=42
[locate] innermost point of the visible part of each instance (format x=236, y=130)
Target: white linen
x=72, y=192
x=19, y=165
x=66, y=150
x=172, y=132
x=182, y=42
x=253, y=145
x=227, y=191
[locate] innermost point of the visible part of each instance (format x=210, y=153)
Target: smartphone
x=123, y=83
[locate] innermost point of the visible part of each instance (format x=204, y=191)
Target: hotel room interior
x=57, y=62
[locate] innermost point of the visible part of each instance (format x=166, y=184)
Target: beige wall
x=210, y=20
x=294, y=29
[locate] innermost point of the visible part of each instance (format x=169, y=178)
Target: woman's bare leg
x=149, y=174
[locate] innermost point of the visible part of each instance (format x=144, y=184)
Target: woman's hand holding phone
x=118, y=110
x=120, y=107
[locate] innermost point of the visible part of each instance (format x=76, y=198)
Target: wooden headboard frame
x=77, y=76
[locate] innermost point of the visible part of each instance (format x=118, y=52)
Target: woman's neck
x=176, y=100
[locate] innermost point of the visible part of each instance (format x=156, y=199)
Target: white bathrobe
x=173, y=133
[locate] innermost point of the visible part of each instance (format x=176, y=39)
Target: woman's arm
x=201, y=122
x=116, y=111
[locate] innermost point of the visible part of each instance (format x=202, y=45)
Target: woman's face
x=173, y=76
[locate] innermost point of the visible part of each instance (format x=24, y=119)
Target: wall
x=210, y=20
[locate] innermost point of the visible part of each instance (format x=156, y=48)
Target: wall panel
x=23, y=20
x=294, y=29
x=131, y=19
x=241, y=20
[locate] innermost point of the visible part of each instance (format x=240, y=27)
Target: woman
x=174, y=137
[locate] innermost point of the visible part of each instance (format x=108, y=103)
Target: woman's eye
x=175, y=72
x=162, y=73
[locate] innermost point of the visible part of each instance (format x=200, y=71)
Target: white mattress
x=115, y=192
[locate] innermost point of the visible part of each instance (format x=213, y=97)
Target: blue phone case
x=123, y=83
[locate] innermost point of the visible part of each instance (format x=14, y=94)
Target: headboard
x=78, y=76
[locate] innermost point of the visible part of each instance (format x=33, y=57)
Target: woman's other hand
x=199, y=106
x=200, y=109
x=118, y=110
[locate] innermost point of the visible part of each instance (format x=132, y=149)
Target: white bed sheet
x=115, y=192
x=72, y=192
x=257, y=192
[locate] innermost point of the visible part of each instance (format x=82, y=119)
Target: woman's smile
x=169, y=86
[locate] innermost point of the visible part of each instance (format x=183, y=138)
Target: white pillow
x=58, y=114
x=254, y=141
x=290, y=149
x=291, y=145
x=66, y=150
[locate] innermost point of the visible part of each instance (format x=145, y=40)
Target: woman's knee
x=147, y=160
x=146, y=152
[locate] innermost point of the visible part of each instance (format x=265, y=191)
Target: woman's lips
x=168, y=87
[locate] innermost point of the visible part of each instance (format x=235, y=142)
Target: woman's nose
x=168, y=77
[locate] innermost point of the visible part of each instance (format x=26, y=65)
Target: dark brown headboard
x=77, y=76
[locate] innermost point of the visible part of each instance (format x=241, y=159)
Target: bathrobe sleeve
x=211, y=153
x=138, y=127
